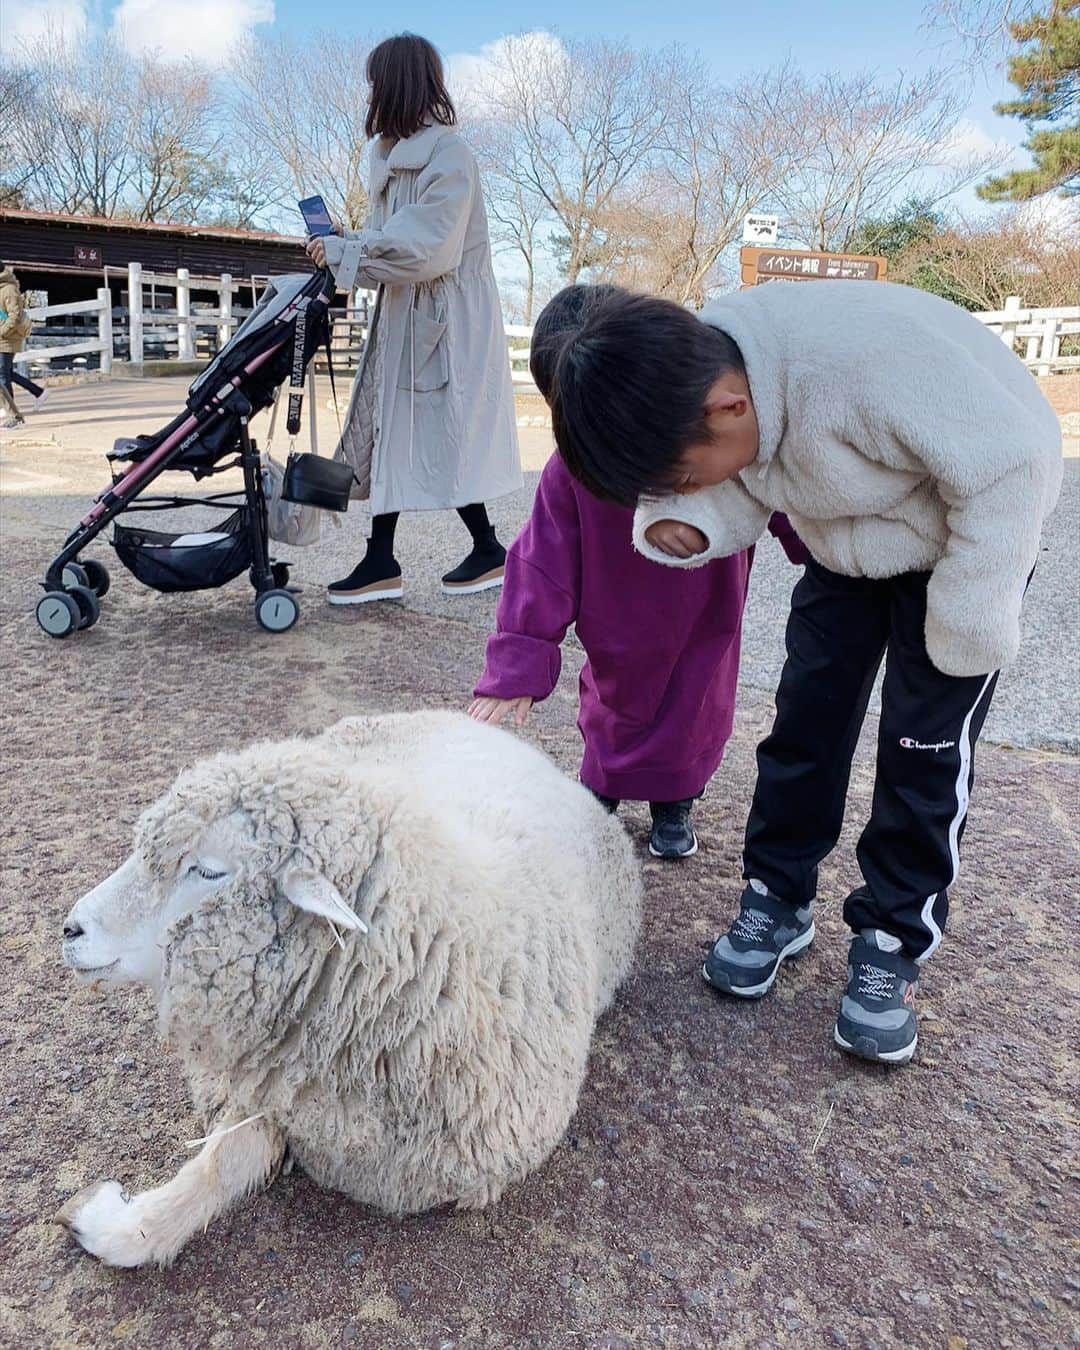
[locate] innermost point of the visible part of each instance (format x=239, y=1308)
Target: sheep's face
x=216, y=828
x=118, y=931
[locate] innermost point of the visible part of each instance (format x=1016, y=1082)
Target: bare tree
x=71, y=135
x=978, y=265
x=981, y=27
x=304, y=104
x=177, y=141
x=861, y=145
x=15, y=89
x=722, y=153
x=518, y=216
x=581, y=118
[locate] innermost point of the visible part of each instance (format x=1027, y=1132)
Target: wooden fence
x=1046, y=340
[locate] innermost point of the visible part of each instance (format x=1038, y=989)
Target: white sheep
x=382, y=950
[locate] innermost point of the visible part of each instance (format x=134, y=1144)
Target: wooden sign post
x=790, y=264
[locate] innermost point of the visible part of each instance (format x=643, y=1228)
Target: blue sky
x=821, y=35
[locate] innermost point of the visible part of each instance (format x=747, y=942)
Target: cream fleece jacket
x=898, y=434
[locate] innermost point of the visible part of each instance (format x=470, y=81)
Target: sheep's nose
x=72, y=930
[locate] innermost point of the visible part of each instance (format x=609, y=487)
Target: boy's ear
x=311, y=891
x=725, y=400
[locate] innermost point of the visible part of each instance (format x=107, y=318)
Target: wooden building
x=70, y=257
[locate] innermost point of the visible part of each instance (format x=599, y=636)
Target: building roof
x=150, y=227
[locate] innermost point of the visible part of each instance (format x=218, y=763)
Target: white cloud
x=970, y=142
x=471, y=76
x=207, y=30
x=23, y=23
x=1051, y=218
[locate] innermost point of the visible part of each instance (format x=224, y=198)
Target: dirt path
x=729, y=1180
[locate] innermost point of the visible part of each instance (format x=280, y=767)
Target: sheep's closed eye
x=207, y=874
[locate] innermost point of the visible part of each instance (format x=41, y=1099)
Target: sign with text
x=87, y=255
x=789, y=264
x=759, y=229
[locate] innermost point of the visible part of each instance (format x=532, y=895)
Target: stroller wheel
x=89, y=607
x=58, y=614
x=97, y=577
x=75, y=574
x=276, y=610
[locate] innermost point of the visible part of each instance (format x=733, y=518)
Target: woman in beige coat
x=431, y=420
x=14, y=327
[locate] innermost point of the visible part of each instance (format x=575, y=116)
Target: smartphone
x=316, y=216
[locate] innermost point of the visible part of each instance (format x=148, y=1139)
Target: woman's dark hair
x=559, y=320
x=407, y=88
x=629, y=394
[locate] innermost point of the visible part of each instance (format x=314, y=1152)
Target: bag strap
x=330, y=371
x=296, y=384
x=273, y=419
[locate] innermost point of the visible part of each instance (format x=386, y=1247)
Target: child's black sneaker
x=376, y=578
x=672, y=834
x=480, y=571
x=768, y=930
x=877, y=1014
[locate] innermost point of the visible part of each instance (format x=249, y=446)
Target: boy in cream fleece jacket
x=917, y=460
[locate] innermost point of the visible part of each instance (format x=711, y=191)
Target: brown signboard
x=86, y=255
x=789, y=264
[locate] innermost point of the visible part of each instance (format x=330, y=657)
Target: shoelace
x=751, y=925
x=875, y=982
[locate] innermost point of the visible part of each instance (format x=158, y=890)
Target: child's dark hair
x=560, y=319
x=629, y=394
x=408, y=88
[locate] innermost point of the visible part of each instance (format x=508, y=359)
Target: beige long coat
x=431, y=422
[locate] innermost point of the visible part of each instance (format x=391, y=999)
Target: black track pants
x=838, y=631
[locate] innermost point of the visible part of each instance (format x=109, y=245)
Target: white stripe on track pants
x=838, y=631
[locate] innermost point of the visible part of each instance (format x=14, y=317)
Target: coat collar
x=410, y=154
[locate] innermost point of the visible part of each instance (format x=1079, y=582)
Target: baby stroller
x=277, y=340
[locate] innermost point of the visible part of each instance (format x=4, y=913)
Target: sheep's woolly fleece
x=438, y=1057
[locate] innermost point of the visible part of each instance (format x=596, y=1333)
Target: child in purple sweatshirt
x=658, y=688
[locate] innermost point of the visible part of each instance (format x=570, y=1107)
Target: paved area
x=729, y=1179
x=1037, y=700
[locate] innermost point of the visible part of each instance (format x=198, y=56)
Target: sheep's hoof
x=67, y=1215
x=99, y=1219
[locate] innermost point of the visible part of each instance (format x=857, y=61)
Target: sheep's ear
x=311, y=891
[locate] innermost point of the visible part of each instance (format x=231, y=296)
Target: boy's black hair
x=629, y=394
x=559, y=320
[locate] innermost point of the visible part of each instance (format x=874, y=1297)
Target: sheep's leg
x=153, y=1226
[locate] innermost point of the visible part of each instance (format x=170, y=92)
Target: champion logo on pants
x=909, y=744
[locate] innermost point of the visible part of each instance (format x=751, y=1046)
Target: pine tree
x=1047, y=73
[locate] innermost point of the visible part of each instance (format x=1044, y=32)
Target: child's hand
x=676, y=538
x=493, y=710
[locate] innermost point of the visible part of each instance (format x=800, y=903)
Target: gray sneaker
x=768, y=930
x=877, y=1015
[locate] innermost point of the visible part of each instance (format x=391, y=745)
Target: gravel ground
x=730, y=1179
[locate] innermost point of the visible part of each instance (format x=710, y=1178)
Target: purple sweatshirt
x=658, y=688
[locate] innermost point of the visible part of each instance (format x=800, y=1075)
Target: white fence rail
x=102, y=344
x=1037, y=335
x=1047, y=340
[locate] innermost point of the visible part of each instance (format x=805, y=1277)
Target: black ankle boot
x=481, y=570
x=377, y=577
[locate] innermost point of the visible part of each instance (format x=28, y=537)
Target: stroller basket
x=186, y=562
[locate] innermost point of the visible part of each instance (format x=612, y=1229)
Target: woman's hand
x=676, y=538
x=316, y=250
x=493, y=710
